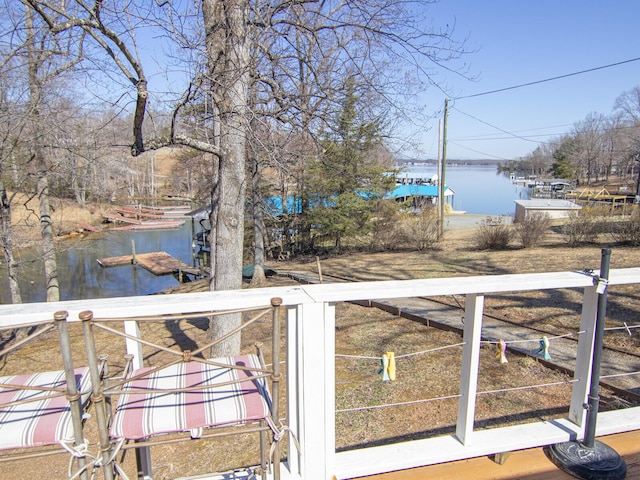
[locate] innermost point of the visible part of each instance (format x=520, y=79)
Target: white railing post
x=143, y=454
x=311, y=389
x=294, y=399
x=584, y=355
x=474, y=307
x=134, y=348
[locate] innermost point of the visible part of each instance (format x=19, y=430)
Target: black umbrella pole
x=601, y=313
x=591, y=459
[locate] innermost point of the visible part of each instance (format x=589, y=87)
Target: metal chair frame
x=43, y=393
x=111, y=446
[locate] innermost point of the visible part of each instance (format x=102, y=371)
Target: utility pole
x=443, y=167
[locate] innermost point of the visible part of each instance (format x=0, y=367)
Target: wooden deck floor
x=529, y=464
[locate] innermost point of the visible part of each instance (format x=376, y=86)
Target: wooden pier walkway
x=158, y=263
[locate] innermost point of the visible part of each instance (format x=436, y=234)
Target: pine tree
x=347, y=182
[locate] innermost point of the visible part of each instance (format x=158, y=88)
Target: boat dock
x=600, y=196
x=158, y=263
x=138, y=224
x=145, y=218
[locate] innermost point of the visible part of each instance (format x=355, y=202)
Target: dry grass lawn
x=426, y=384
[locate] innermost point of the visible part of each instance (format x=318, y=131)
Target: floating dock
x=158, y=263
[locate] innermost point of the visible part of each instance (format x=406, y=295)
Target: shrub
x=387, y=233
x=493, y=234
x=531, y=230
x=575, y=229
x=585, y=225
x=627, y=230
x=423, y=228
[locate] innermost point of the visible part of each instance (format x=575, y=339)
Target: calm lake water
x=81, y=276
x=480, y=190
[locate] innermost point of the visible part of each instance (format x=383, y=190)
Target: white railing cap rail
x=481, y=284
x=122, y=307
x=15, y=315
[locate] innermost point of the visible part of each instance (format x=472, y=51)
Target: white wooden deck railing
x=311, y=365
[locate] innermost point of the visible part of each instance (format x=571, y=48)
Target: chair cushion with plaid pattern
x=45, y=417
x=141, y=414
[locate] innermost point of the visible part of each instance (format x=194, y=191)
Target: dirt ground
x=424, y=393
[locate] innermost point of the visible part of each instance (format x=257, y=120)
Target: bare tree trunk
x=213, y=219
x=258, y=277
x=7, y=245
x=48, y=246
x=638, y=181
x=75, y=187
x=42, y=184
x=228, y=52
x=6, y=238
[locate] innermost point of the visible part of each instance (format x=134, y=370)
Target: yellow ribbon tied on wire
x=388, y=366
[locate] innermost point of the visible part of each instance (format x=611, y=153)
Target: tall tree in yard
x=41, y=59
x=11, y=126
x=39, y=161
x=589, y=133
x=227, y=45
x=628, y=105
x=293, y=55
x=565, y=155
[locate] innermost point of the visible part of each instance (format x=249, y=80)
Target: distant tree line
x=596, y=148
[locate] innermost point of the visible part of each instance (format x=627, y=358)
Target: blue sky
x=519, y=42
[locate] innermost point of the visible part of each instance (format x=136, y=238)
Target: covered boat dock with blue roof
x=406, y=192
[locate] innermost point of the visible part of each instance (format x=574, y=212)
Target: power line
x=492, y=136
x=493, y=126
x=549, y=79
x=479, y=152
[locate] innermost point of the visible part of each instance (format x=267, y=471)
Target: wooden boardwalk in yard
x=158, y=263
x=519, y=338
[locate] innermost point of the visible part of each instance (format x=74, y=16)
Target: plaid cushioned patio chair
x=45, y=409
x=193, y=395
